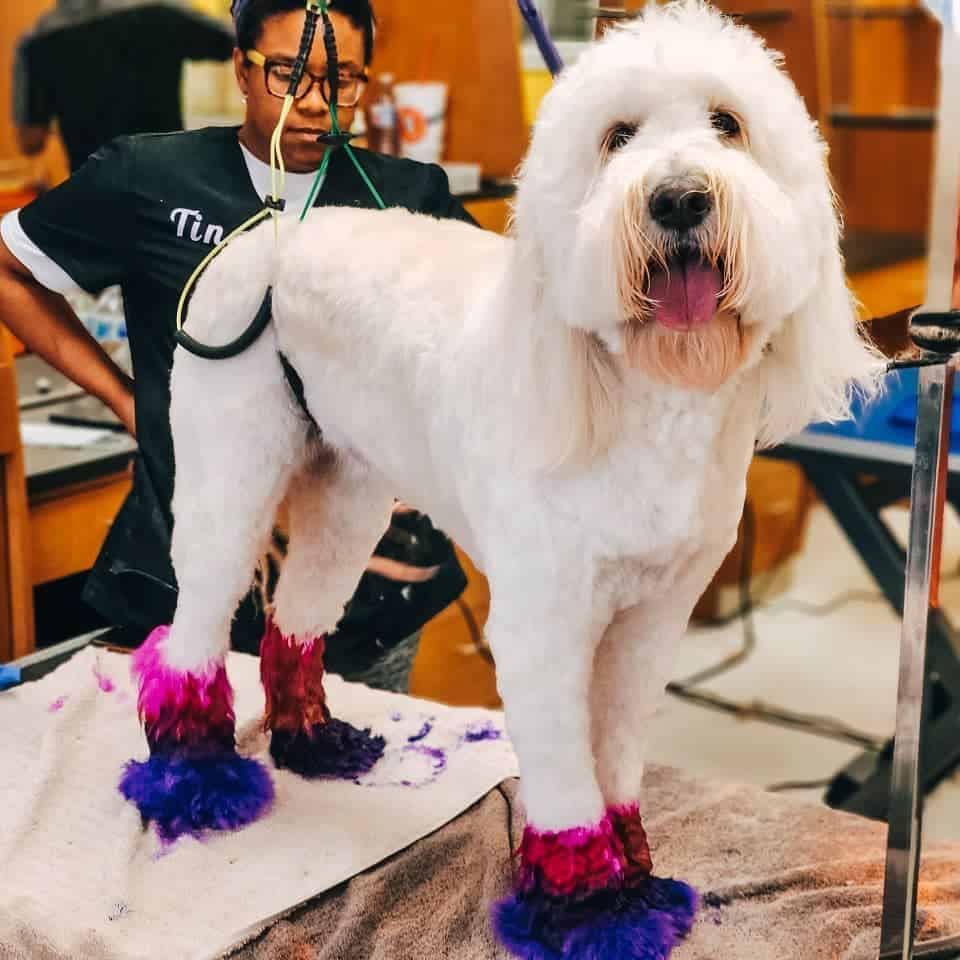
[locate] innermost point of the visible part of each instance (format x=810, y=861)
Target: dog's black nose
x=680, y=205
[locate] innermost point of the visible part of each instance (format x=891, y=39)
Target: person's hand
x=403, y=572
x=394, y=569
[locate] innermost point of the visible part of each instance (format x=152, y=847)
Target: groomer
x=142, y=212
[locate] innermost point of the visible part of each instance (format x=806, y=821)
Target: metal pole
x=934, y=406
x=906, y=800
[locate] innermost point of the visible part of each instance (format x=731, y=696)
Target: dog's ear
x=571, y=384
x=820, y=358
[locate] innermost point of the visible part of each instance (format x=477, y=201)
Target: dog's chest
x=672, y=483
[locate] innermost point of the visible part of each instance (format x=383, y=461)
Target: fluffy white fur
x=517, y=389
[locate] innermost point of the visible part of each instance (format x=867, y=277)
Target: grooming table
x=857, y=468
x=780, y=880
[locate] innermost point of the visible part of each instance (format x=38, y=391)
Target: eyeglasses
x=277, y=75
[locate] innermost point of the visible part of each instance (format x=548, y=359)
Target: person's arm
x=44, y=322
x=78, y=236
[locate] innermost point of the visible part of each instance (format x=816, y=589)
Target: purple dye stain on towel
x=477, y=732
x=423, y=732
x=57, y=705
x=437, y=756
x=104, y=682
x=396, y=717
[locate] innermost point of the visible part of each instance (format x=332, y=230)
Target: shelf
x=909, y=118
x=879, y=12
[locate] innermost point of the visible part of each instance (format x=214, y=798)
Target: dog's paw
x=642, y=922
x=183, y=794
x=333, y=750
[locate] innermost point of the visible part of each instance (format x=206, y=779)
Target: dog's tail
x=231, y=304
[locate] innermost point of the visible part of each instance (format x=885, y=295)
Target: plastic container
x=422, y=113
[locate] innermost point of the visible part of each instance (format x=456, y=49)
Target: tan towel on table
x=788, y=880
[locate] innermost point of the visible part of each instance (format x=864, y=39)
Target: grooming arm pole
x=937, y=328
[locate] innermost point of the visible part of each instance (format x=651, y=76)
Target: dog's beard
x=701, y=359
x=704, y=356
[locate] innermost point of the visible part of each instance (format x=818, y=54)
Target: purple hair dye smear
x=478, y=732
x=437, y=756
x=422, y=733
x=57, y=705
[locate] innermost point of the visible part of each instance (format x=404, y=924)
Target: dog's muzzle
x=681, y=204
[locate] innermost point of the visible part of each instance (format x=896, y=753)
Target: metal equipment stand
x=937, y=329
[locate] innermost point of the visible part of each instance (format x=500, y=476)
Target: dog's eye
x=726, y=124
x=619, y=136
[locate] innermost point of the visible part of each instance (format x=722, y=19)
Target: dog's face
x=676, y=201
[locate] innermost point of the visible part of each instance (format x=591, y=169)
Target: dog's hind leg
x=238, y=437
x=339, y=508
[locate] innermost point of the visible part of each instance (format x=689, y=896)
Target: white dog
x=575, y=404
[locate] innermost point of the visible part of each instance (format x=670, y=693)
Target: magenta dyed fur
x=570, y=862
x=179, y=709
x=587, y=894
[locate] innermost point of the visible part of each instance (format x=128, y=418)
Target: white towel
x=81, y=879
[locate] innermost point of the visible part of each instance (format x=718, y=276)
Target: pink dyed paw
x=194, y=780
x=180, y=709
x=570, y=862
x=581, y=895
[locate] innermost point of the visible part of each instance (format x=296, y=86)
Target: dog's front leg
x=544, y=642
x=584, y=888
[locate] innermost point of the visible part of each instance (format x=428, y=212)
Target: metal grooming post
x=935, y=328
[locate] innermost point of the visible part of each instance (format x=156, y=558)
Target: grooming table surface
x=889, y=422
x=81, y=879
x=782, y=880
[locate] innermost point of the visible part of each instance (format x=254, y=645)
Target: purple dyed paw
x=191, y=794
x=334, y=750
x=644, y=922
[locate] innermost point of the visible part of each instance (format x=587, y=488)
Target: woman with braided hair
x=142, y=212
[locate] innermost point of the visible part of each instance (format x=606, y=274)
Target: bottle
x=382, y=129
x=359, y=131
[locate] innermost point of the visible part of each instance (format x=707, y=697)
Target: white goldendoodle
x=576, y=404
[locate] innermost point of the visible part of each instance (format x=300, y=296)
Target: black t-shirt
x=113, y=72
x=142, y=213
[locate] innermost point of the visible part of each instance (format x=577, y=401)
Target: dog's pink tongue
x=686, y=296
